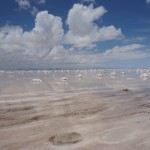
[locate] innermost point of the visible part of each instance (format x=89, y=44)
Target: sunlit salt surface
x=75, y=109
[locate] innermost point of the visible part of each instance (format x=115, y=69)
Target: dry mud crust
x=66, y=138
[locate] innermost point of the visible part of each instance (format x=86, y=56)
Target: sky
x=42, y=34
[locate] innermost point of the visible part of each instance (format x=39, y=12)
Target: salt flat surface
x=67, y=111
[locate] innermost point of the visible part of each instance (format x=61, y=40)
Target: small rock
x=125, y=90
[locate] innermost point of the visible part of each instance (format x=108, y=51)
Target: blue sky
x=66, y=33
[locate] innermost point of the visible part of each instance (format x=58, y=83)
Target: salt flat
x=91, y=112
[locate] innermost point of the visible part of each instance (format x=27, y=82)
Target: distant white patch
x=145, y=76
x=79, y=76
x=63, y=79
x=36, y=80
x=34, y=11
x=40, y=1
x=91, y=1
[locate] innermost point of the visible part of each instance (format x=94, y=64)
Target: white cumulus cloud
x=23, y=4
x=83, y=31
x=31, y=45
x=147, y=1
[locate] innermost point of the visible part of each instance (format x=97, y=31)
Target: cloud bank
x=47, y=43
x=35, y=44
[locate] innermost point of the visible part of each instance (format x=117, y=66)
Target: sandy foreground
x=84, y=114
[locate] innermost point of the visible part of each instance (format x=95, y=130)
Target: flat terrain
x=89, y=113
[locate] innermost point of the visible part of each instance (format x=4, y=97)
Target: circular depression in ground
x=116, y=135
